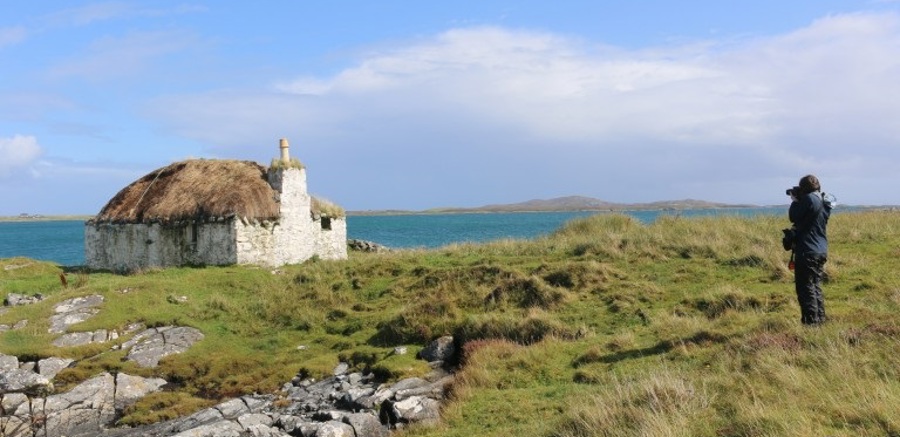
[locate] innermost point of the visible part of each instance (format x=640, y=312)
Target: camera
x=793, y=191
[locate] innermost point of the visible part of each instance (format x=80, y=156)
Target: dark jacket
x=809, y=214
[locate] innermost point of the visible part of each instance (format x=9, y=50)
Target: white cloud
x=17, y=152
x=820, y=99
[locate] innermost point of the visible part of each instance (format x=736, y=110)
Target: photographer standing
x=809, y=214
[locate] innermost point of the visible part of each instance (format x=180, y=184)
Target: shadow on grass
x=702, y=338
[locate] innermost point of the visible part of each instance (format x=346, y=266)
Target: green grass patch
x=687, y=326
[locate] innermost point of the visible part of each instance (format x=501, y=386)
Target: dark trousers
x=808, y=271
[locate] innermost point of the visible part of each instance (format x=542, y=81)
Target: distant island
x=567, y=203
x=27, y=217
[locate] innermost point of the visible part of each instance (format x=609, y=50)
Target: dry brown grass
x=195, y=189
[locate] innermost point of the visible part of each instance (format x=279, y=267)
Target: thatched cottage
x=216, y=212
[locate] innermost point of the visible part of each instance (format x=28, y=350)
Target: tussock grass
x=687, y=326
x=327, y=208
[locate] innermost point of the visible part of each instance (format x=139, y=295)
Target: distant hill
x=570, y=203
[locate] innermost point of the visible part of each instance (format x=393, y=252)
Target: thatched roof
x=196, y=189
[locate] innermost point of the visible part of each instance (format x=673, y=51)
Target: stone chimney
x=285, y=155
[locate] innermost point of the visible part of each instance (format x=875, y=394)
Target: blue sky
x=416, y=105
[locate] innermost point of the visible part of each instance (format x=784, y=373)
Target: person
x=809, y=213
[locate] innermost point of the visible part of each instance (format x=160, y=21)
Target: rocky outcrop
x=352, y=404
x=151, y=345
x=346, y=404
x=72, y=311
x=366, y=246
x=15, y=299
x=87, y=409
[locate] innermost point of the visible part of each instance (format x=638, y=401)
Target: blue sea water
x=63, y=241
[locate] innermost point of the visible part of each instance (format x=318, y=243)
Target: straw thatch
x=196, y=189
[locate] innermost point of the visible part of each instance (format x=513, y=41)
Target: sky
x=402, y=104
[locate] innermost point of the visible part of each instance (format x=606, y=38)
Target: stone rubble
x=365, y=246
x=345, y=404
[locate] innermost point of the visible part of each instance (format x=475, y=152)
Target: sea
x=62, y=241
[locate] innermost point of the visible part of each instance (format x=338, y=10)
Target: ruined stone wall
x=331, y=244
x=295, y=237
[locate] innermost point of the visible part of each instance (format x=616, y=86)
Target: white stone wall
x=331, y=244
x=296, y=237
x=127, y=247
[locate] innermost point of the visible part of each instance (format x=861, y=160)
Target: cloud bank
x=501, y=113
x=490, y=109
x=17, y=152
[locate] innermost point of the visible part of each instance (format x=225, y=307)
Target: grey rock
x=83, y=338
x=335, y=429
x=88, y=407
x=441, y=349
x=289, y=422
x=222, y=428
x=382, y=394
x=14, y=426
x=248, y=420
x=20, y=324
x=8, y=362
x=365, y=246
x=11, y=402
x=102, y=336
x=417, y=409
x=232, y=409
x=263, y=431
x=148, y=347
x=341, y=369
x=130, y=389
x=74, y=339
x=355, y=393
x=366, y=425
x=24, y=381
x=72, y=311
x=400, y=350
x=203, y=417
x=330, y=415
x=15, y=299
x=60, y=322
x=49, y=367
x=433, y=390
x=409, y=383
x=78, y=304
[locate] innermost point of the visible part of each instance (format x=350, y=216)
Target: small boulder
x=441, y=349
x=24, y=381
x=417, y=409
x=150, y=346
x=49, y=367
x=130, y=389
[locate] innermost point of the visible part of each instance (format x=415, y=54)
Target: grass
x=688, y=326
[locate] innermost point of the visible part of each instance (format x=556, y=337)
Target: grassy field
x=686, y=327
